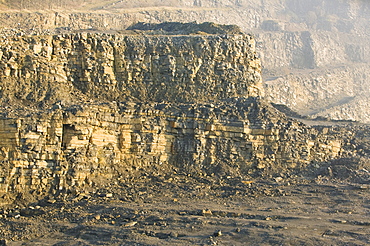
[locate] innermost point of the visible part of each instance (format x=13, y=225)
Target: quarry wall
x=117, y=67
x=83, y=110
x=292, y=37
x=91, y=145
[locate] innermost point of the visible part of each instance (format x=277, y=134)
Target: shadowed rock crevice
x=178, y=28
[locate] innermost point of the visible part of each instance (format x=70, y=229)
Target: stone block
x=258, y=131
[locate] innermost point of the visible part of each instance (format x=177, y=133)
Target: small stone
x=278, y=179
x=133, y=223
x=217, y=233
x=109, y=195
x=51, y=201
x=248, y=182
x=97, y=217
x=339, y=221
x=364, y=187
x=237, y=229
x=206, y=212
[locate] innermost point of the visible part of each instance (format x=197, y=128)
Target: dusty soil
x=179, y=209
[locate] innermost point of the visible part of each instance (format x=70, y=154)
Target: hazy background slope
x=315, y=53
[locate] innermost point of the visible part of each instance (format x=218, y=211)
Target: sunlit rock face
x=117, y=67
x=306, y=47
x=81, y=110
x=89, y=145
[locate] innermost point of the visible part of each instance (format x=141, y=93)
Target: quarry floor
x=184, y=210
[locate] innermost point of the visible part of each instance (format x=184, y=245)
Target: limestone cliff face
x=116, y=67
x=89, y=145
x=305, y=35
x=338, y=93
x=82, y=110
x=323, y=74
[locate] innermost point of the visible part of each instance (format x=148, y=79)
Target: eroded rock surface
x=308, y=39
x=48, y=69
x=89, y=145
x=82, y=110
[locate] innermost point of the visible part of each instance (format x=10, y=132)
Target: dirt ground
x=180, y=209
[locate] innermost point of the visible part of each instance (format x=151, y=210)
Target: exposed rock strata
x=116, y=67
x=291, y=35
x=58, y=135
x=338, y=93
x=89, y=145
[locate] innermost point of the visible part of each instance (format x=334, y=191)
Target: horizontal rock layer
x=48, y=69
x=89, y=145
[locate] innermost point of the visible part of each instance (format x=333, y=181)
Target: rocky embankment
x=88, y=145
x=82, y=110
x=325, y=41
